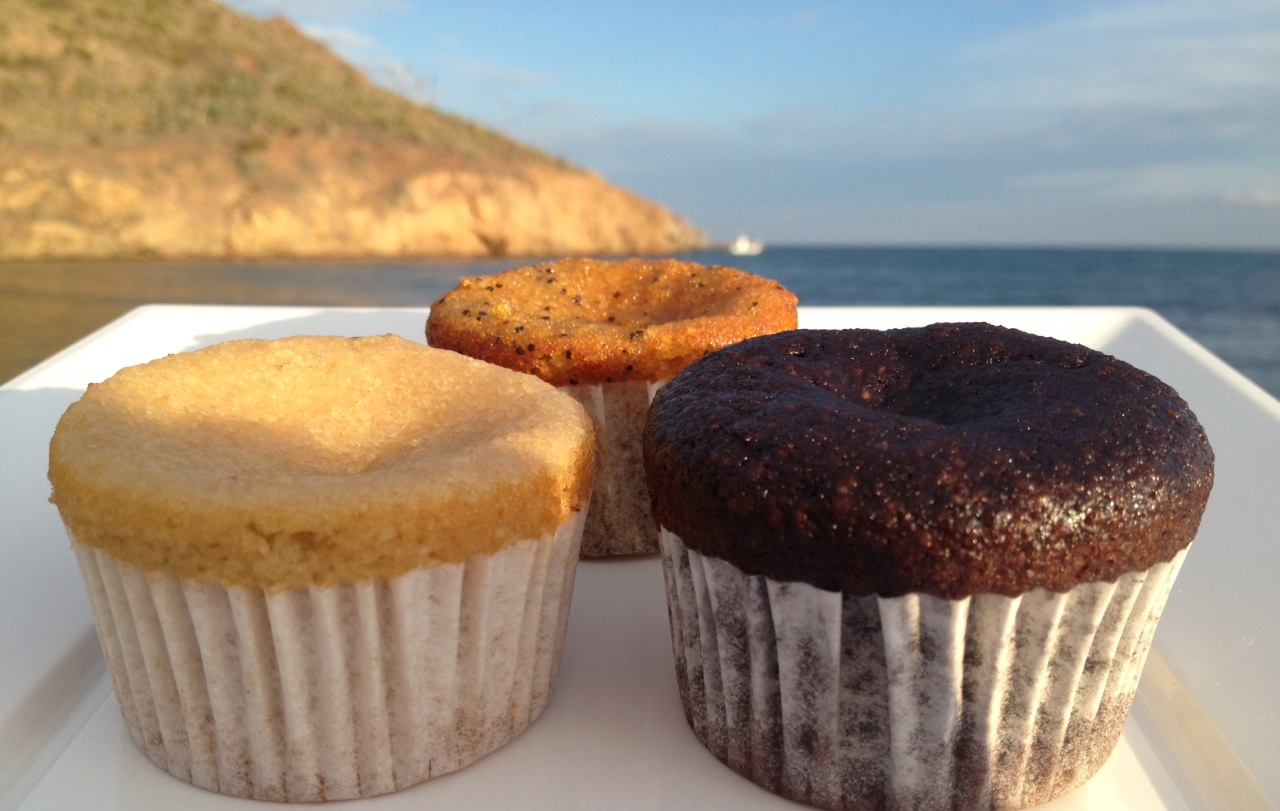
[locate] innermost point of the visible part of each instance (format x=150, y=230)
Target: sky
x=1137, y=123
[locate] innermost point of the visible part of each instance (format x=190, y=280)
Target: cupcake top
x=314, y=460
x=953, y=459
x=591, y=321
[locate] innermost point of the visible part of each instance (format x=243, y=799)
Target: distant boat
x=746, y=246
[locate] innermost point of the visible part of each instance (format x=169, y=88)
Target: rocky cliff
x=183, y=129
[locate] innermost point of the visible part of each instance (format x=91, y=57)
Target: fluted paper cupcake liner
x=847, y=701
x=334, y=693
x=619, y=519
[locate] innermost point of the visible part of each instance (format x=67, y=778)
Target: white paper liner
x=619, y=518
x=908, y=702
x=341, y=692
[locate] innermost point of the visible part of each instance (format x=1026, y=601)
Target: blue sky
x=993, y=122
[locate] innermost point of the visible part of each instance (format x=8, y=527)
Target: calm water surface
x=1228, y=301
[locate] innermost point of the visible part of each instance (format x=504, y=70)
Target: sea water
x=1227, y=301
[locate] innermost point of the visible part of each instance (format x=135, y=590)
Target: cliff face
x=311, y=196
x=117, y=140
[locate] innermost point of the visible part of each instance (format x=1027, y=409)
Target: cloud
x=1218, y=180
x=1254, y=198
x=1177, y=101
x=1182, y=60
x=520, y=102
x=343, y=40
x=317, y=9
x=802, y=17
x=490, y=74
x=1162, y=103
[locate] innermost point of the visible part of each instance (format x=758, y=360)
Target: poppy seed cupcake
x=324, y=568
x=609, y=333
x=918, y=568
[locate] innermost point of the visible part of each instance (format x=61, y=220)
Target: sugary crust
x=591, y=321
x=952, y=460
x=314, y=460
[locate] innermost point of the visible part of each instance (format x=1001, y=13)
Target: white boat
x=744, y=245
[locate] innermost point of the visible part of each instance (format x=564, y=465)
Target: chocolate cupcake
x=918, y=568
x=609, y=333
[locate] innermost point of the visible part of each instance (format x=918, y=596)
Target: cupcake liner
x=341, y=692
x=619, y=519
x=850, y=701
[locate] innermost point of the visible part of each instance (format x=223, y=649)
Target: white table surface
x=1205, y=731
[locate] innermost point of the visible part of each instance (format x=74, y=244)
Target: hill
x=147, y=128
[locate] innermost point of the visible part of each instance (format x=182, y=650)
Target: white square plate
x=1205, y=731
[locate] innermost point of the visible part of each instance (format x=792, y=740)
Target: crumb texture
x=953, y=460
x=314, y=460
x=879, y=704
x=334, y=693
x=619, y=520
x=595, y=321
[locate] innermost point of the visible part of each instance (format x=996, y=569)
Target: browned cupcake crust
x=315, y=460
x=592, y=321
x=953, y=459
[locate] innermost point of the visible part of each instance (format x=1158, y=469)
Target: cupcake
x=324, y=568
x=918, y=568
x=609, y=333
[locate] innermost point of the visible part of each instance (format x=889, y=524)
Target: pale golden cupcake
x=609, y=333
x=324, y=568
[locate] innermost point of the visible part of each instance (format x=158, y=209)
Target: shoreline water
x=1229, y=301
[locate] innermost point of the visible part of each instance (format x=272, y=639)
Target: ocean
x=1228, y=301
